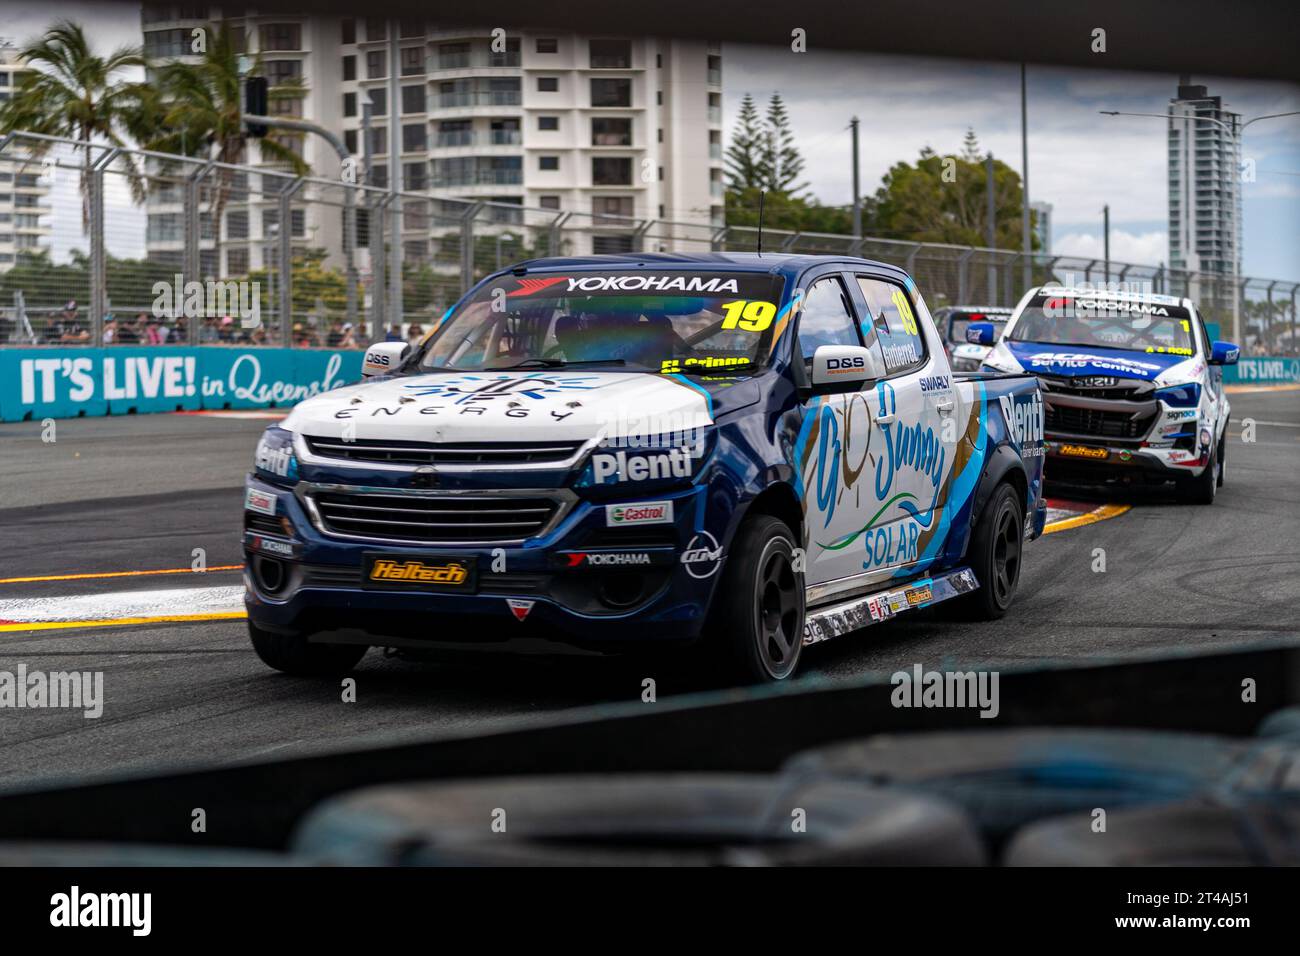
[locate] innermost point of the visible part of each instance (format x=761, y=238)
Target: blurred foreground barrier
x=56, y=382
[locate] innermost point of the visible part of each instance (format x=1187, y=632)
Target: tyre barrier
x=1251, y=831
x=1283, y=724
x=637, y=820
x=1006, y=779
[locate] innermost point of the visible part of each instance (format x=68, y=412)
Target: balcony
x=462, y=137
x=715, y=115
x=481, y=98
x=505, y=137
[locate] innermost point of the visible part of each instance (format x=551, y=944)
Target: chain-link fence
x=120, y=246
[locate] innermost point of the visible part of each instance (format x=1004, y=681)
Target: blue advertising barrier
x=1262, y=370
x=37, y=383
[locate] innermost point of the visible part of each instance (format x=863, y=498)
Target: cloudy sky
x=1078, y=159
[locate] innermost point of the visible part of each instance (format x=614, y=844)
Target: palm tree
x=194, y=109
x=73, y=92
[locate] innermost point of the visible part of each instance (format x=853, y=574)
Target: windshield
x=1106, y=323
x=687, y=322
x=959, y=322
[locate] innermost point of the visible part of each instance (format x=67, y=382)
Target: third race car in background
x=953, y=321
x=1132, y=383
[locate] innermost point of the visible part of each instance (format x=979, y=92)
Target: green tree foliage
x=763, y=158
x=742, y=158
x=780, y=160
x=917, y=202
x=75, y=93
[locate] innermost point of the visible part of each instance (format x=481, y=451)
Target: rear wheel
x=292, y=654
x=994, y=555
x=758, y=608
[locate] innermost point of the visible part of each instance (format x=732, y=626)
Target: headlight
x=1180, y=396
x=274, y=459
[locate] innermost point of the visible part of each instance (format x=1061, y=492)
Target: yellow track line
x=1244, y=389
x=118, y=574
x=164, y=619
x=1092, y=517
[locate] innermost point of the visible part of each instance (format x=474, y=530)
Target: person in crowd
x=129, y=331
x=226, y=330
x=348, y=339
x=394, y=333
x=71, y=331
x=259, y=336
x=414, y=334
x=110, y=329
x=208, y=330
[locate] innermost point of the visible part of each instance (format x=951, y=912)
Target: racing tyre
x=1223, y=455
x=1200, y=489
x=994, y=555
x=636, y=820
x=291, y=654
x=758, y=608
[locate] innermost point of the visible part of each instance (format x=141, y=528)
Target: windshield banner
x=43, y=383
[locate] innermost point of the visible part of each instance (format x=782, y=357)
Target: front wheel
x=757, y=617
x=1201, y=489
x=994, y=555
x=292, y=654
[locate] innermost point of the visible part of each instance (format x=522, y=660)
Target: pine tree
x=743, y=157
x=782, y=162
x=970, y=147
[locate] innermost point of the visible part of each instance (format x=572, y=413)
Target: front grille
x=1122, y=390
x=434, y=519
x=1090, y=421
x=262, y=523
x=439, y=453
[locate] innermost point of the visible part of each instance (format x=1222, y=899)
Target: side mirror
x=1224, y=353
x=981, y=333
x=382, y=358
x=841, y=364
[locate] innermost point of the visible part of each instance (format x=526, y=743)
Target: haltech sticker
x=451, y=574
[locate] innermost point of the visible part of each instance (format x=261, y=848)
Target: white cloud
x=1142, y=248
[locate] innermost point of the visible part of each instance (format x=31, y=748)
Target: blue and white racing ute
x=1132, y=383
x=760, y=452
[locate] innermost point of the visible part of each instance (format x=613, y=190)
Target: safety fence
x=123, y=247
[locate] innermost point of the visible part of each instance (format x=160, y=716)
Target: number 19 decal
x=748, y=314
x=905, y=311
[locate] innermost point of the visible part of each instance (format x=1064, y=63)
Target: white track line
x=123, y=604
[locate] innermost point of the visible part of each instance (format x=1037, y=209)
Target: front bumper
x=1066, y=461
x=526, y=590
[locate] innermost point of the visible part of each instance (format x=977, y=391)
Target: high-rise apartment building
x=1204, y=183
x=25, y=224
x=593, y=127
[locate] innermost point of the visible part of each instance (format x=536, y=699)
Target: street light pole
x=857, y=191
x=1026, y=246
x=990, y=228
x=1105, y=241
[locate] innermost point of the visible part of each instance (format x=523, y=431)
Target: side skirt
x=821, y=624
